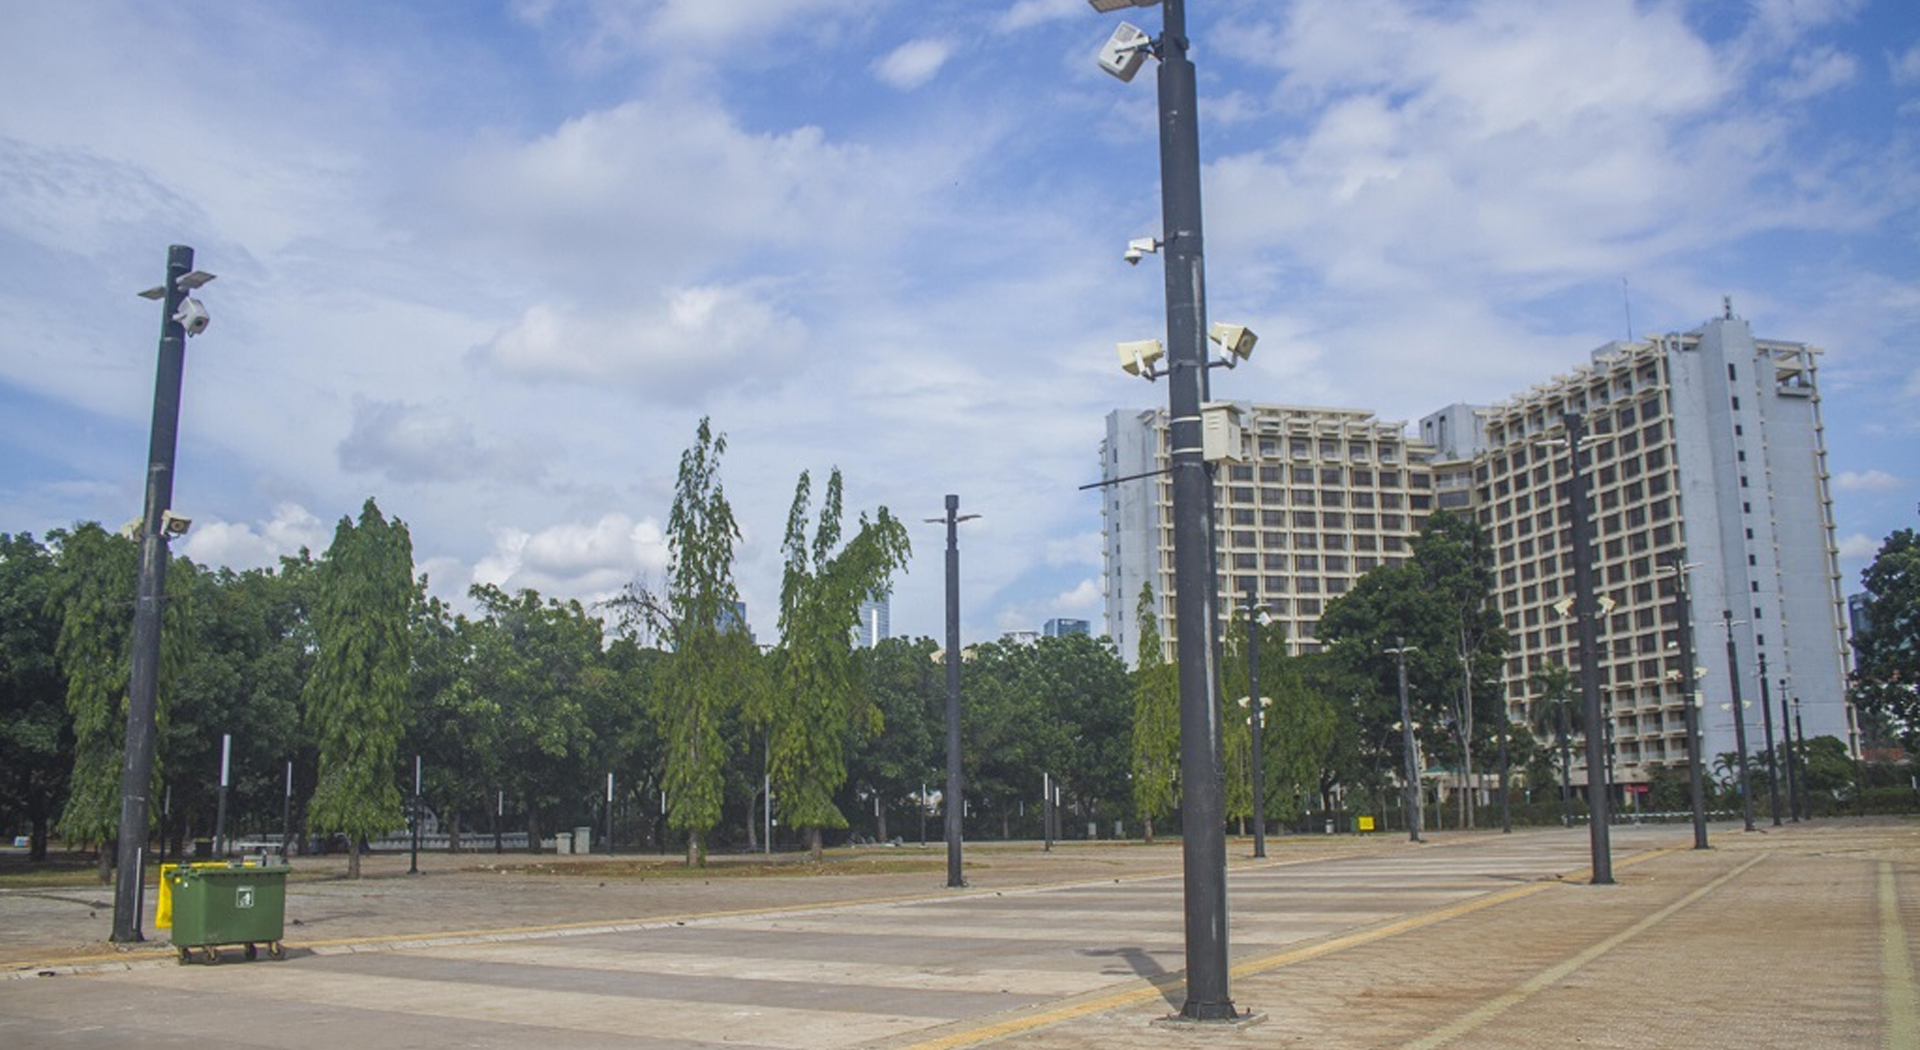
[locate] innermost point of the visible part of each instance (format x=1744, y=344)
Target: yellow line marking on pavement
x=1500, y=1004
x=1896, y=969
x=1162, y=985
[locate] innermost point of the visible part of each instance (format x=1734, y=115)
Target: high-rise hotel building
x=1701, y=449
x=1314, y=499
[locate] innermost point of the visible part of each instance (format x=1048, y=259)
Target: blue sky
x=490, y=262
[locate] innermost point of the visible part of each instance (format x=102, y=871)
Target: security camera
x=1138, y=248
x=192, y=316
x=1137, y=357
x=1236, y=341
x=173, y=524
x=1125, y=51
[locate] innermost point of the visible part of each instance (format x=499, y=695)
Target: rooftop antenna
x=1626, y=303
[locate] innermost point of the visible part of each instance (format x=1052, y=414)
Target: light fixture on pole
x=1202, y=807
x=220, y=808
x=1683, y=626
x=1793, y=773
x=1399, y=653
x=177, y=322
x=956, y=784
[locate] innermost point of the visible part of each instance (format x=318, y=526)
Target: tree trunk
x=533, y=829
x=816, y=845
x=353, y=856
x=753, y=823
x=108, y=850
x=1146, y=828
x=880, y=825
x=453, y=833
x=696, y=849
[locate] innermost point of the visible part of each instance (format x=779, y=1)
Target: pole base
x=1230, y=1019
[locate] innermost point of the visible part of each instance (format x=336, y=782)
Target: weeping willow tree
x=818, y=707
x=1156, y=722
x=356, y=698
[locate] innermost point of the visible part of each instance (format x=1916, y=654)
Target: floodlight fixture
x=1236, y=341
x=1138, y=248
x=173, y=525
x=1137, y=358
x=1564, y=607
x=1107, y=6
x=186, y=282
x=1125, y=51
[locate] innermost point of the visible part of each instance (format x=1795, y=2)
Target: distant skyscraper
x=873, y=627
x=1061, y=628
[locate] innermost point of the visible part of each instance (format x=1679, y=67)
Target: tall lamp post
x=1683, y=623
x=1202, y=805
x=956, y=784
x=1806, y=782
x=1599, y=817
x=180, y=316
x=1399, y=654
x=1793, y=772
x=1766, y=722
x=1739, y=720
x=1256, y=715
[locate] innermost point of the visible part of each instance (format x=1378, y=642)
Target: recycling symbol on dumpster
x=243, y=897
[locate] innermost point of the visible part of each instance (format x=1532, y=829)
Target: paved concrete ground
x=1793, y=938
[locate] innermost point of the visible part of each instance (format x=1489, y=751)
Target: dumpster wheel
x=185, y=954
x=276, y=950
x=253, y=952
x=211, y=954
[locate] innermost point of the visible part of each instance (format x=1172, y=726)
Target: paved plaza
x=1796, y=937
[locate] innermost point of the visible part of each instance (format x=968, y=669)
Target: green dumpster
x=228, y=906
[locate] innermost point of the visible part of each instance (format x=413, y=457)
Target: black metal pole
x=1806, y=783
x=1739, y=722
x=220, y=807
x=143, y=684
x=1506, y=811
x=1599, y=817
x=1766, y=721
x=1406, y=744
x=499, y=817
x=1257, y=719
x=610, y=814
x=1046, y=812
x=1793, y=772
x=413, y=867
x=956, y=784
x=1683, y=622
x=1202, y=806
x=286, y=816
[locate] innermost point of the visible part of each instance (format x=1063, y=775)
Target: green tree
x=713, y=661
x=1554, y=714
x=1082, y=683
x=35, y=737
x=93, y=591
x=1886, y=676
x=1156, y=722
x=356, y=700
x=1456, y=562
x=1297, y=731
x=817, y=708
x=904, y=681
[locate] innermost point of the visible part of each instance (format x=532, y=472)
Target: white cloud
x=1906, y=65
x=1866, y=481
x=671, y=351
x=1818, y=72
x=1087, y=597
x=414, y=443
x=1026, y=13
x=913, y=63
x=590, y=561
x=257, y=545
x=1858, y=547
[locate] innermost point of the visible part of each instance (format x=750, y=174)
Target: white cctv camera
x=193, y=316
x=1125, y=51
x=1236, y=341
x=1137, y=358
x=173, y=524
x=1138, y=248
